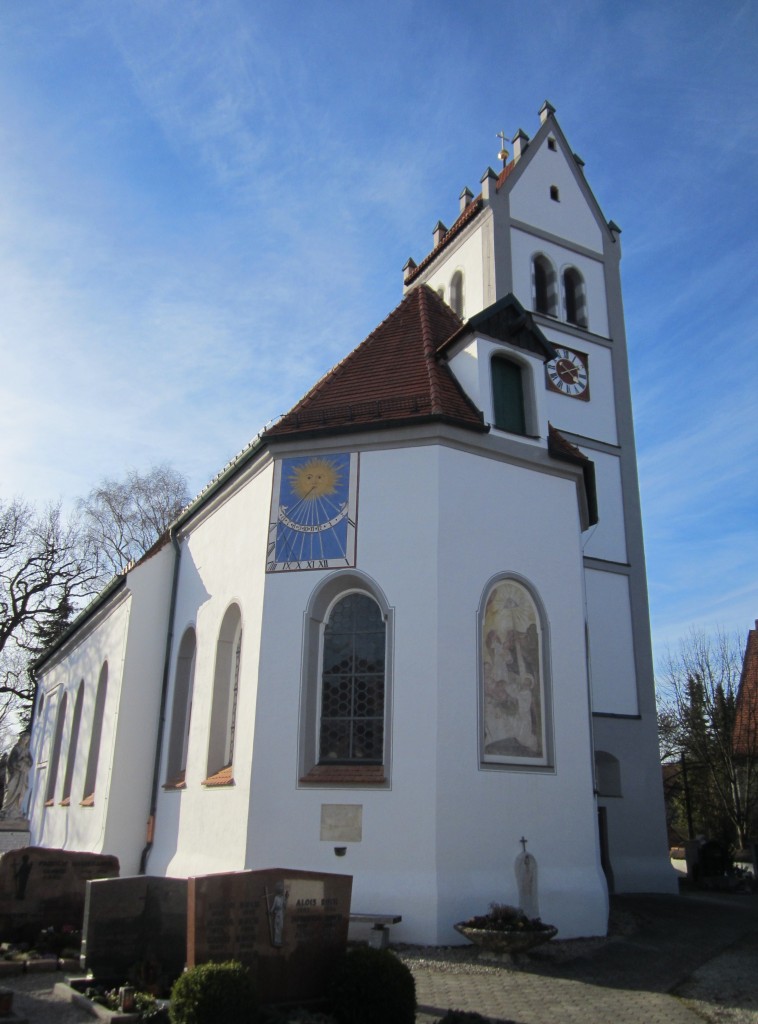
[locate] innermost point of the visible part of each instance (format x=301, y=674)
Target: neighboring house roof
x=745, y=736
x=393, y=378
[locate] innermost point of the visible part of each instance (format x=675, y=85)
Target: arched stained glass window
x=351, y=728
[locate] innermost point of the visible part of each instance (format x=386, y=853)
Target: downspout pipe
x=150, y=832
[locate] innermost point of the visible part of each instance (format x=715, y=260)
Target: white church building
x=407, y=626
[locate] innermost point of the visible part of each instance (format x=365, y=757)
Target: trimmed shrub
x=371, y=986
x=211, y=993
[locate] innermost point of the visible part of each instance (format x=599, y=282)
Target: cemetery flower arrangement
x=149, y=1010
x=504, y=918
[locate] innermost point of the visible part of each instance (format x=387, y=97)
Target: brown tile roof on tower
x=392, y=379
x=745, y=736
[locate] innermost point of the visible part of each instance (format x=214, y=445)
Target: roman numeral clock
x=314, y=505
x=568, y=374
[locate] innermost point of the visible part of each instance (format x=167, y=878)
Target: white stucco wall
x=614, y=677
x=438, y=844
x=204, y=829
x=607, y=539
x=136, y=727
x=465, y=254
x=483, y=813
x=571, y=217
x=75, y=827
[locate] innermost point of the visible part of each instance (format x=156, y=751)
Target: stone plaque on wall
x=288, y=926
x=42, y=888
x=135, y=929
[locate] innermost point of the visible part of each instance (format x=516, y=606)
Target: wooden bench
x=379, y=937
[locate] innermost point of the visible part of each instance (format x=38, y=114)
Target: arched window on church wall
x=55, y=755
x=225, y=696
x=544, y=286
x=351, y=729
x=90, y=780
x=575, y=297
x=182, y=710
x=456, y=292
x=73, y=745
x=346, y=683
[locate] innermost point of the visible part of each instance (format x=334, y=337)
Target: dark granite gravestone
x=135, y=930
x=289, y=927
x=42, y=888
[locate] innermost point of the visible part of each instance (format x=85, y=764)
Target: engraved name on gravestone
x=41, y=888
x=135, y=929
x=288, y=926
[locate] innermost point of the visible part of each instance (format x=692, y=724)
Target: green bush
x=214, y=993
x=371, y=986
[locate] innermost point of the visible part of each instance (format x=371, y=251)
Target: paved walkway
x=665, y=948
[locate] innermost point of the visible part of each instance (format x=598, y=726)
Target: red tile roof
x=392, y=379
x=468, y=214
x=745, y=737
x=221, y=778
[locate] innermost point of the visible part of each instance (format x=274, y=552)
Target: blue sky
x=204, y=204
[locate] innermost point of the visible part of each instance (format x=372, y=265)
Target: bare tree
x=45, y=570
x=699, y=687
x=122, y=519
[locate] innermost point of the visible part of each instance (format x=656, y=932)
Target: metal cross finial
x=503, y=154
x=523, y=843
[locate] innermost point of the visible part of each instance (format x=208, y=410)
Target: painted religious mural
x=513, y=710
x=314, y=507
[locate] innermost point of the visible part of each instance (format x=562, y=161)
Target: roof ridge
x=335, y=370
x=426, y=338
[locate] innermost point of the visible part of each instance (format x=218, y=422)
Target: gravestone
x=42, y=888
x=135, y=930
x=289, y=927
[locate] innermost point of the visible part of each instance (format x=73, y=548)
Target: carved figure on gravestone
x=275, y=904
x=17, y=770
x=21, y=876
x=525, y=867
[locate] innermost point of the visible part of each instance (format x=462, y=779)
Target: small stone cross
x=523, y=843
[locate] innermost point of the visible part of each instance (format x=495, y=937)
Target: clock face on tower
x=313, y=513
x=568, y=374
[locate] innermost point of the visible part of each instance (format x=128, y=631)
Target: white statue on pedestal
x=525, y=867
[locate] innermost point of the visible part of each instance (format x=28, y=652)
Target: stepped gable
x=471, y=211
x=393, y=378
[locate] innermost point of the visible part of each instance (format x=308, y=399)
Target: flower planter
x=501, y=942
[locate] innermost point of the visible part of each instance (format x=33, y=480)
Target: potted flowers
x=506, y=930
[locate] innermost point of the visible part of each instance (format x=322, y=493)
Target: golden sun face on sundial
x=314, y=479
